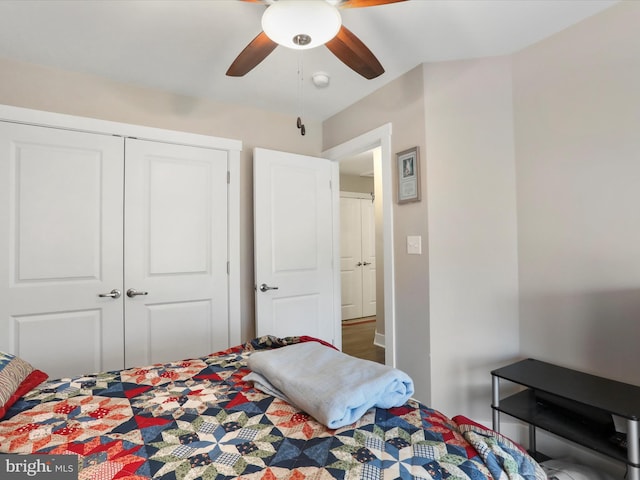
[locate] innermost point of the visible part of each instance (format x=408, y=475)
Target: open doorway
x=361, y=331
x=376, y=146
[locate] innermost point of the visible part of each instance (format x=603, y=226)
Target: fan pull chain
x=299, y=123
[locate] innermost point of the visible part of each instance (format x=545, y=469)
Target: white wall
x=577, y=132
x=356, y=183
x=577, y=113
x=472, y=230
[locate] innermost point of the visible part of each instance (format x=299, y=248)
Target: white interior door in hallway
x=357, y=255
x=69, y=257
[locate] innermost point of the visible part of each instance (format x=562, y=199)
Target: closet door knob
x=115, y=293
x=359, y=264
x=264, y=287
x=132, y=292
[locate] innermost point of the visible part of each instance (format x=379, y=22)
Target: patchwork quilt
x=198, y=419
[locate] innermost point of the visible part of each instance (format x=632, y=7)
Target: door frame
x=378, y=137
x=13, y=114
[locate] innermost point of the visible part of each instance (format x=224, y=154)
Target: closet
x=115, y=247
x=357, y=255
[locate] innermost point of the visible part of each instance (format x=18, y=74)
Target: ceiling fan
x=303, y=24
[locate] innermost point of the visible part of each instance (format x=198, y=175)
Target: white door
x=175, y=252
x=294, y=245
x=357, y=256
x=61, y=246
x=368, y=229
x=350, y=257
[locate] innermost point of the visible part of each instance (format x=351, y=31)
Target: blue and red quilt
x=198, y=419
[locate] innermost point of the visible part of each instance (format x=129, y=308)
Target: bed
x=200, y=419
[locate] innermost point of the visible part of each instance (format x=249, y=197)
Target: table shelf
x=573, y=405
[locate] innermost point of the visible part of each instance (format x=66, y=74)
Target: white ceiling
x=186, y=46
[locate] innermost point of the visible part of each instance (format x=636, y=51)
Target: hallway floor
x=357, y=339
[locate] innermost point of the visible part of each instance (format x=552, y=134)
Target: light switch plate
x=414, y=245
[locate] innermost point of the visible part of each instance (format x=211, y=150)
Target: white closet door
x=61, y=246
x=368, y=228
x=357, y=256
x=175, y=252
x=350, y=258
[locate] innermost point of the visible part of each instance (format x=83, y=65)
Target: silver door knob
x=132, y=292
x=115, y=293
x=264, y=287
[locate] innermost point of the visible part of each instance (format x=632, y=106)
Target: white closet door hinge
x=228, y=267
x=228, y=177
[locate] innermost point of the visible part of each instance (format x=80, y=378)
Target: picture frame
x=408, y=163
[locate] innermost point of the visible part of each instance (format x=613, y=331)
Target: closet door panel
x=180, y=214
x=350, y=258
x=367, y=211
x=175, y=251
x=45, y=340
x=357, y=257
x=57, y=197
x=179, y=343
x=61, y=244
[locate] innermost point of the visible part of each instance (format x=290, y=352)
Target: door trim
x=379, y=137
x=93, y=125
x=361, y=196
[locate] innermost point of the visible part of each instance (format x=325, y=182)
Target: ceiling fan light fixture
x=301, y=24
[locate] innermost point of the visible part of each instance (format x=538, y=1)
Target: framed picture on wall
x=408, y=176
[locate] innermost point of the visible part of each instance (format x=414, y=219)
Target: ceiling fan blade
x=252, y=55
x=365, y=3
x=355, y=54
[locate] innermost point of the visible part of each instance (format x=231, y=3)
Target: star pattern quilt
x=198, y=419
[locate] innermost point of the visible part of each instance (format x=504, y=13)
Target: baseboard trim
x=378, y=340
